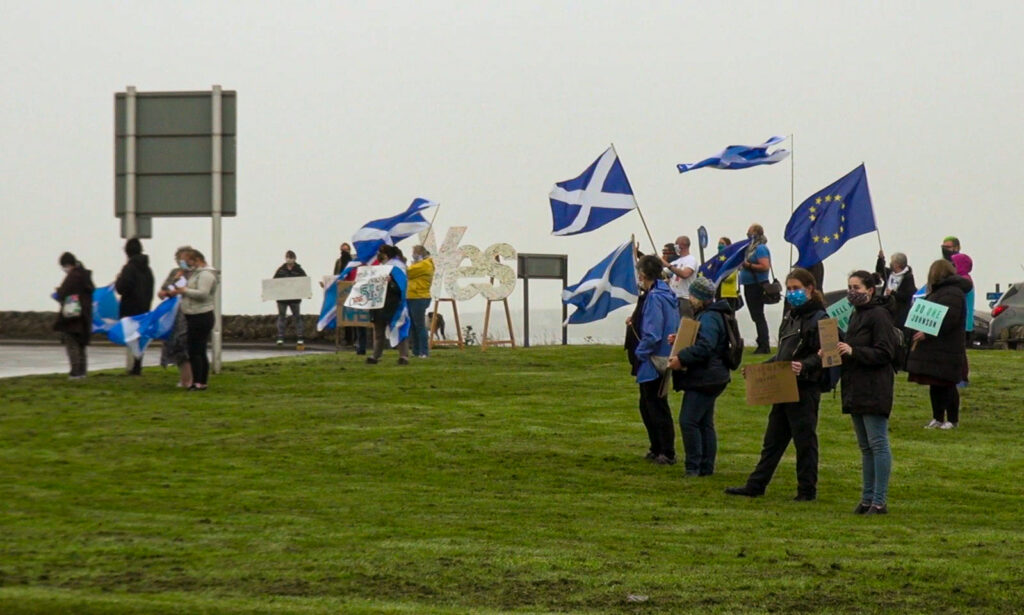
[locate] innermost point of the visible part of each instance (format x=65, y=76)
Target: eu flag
x=723, y=264
x=831, y=217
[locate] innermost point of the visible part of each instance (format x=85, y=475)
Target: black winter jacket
x=705, y=367
x=904, y=295
x=868, y=375
x=798, y=341
x=942, y=357
x=78, y=281
x=135, y=285
x=295, y=272
x=632, y=330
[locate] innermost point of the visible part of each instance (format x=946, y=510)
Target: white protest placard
x=926, y=316
x=370, y=288
x=287, y=289
x=841, y=310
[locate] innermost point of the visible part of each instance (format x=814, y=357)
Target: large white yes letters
x=448, y=268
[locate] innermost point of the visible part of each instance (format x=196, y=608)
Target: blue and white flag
x=740, y=157
x=136, y=332
x=105, y=307
x=723, y=264
x=608, y=286
x=398, y=328
x=389, y=231
x=595, y=198
x=329, y=308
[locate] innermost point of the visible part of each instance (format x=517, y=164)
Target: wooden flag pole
x=432, y=218
x=654, y=246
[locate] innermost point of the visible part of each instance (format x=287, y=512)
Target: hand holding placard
x=828, y=335
x=770, y=383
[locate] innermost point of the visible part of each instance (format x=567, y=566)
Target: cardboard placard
x=686, y=335
x=287, y=289
x=841, y=310
x=926, y=316
x=771, y=383
x=350, y=317
x=828, y=335
x=369, y=288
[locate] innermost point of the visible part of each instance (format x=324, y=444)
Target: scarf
x=760, y=240
x=895, y=279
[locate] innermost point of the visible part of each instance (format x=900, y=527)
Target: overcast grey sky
x=349, y=110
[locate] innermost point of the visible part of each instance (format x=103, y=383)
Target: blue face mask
x=183, y=265
x=796, y=297
x=721, y=247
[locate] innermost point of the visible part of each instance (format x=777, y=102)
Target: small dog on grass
x=436, y=328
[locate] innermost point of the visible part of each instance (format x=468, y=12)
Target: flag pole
x=792, y=191
x=432, y=218
x=873, y=216
x=654, y=246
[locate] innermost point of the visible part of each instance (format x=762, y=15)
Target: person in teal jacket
x=659, y=319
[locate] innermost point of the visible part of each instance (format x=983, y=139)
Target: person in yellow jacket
x=421, y=276
x=729, y=289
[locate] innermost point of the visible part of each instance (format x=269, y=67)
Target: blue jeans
x=419, y=333
x=697, y=423
x=875, y=458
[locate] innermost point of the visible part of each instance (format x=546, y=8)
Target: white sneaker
x=933, y=424
x=947, y=425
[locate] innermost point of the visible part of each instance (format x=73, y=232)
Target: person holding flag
x=729, y=288
x=391, y=323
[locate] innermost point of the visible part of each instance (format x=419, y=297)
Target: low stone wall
x=263, y=328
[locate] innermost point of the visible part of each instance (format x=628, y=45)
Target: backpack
x=899, y=357
x=733, y=355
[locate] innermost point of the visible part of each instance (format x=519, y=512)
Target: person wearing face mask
x=197, y=302
x=175, y=347
x=344, y=259
x=754, y=273
x=703, y=378
x=659, y=319
x=898, y=278
x=938, y=360
x=867, y=384
x=74, y=317
x=796, y=421
x=682, y=270
x=729, y=288
x=963, y=265
x=135, y=285
x=349, y=334
x=421, y=276
x=391, y=315
x=290, y=269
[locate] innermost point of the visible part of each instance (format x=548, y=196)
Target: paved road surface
x=24, y=360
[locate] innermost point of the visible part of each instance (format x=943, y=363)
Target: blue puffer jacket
x=660, y=319
x=703, y=361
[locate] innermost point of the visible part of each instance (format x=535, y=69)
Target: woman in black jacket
x=796, y=421
x=898, y=280
x=938, y=361
x=867, y=381
x=74, y=316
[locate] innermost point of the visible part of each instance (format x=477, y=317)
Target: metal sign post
x=545, y=267
x=216, y=201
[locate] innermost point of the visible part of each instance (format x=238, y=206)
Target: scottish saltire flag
x=595, y=198
x=608, y=286
x=723, y=264
x=831, y=217
x=105, y=308
x=136, y=332
x=390, y=231
x=398, y=328
x=329, y=309
x=741, y=157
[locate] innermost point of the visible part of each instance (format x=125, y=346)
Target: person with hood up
x=198, y=300
x=938, y=360
x=796, y=421
x=867, y=384
x=704, y=378
x=74, y=317
x=135, y=285
x=659, y=319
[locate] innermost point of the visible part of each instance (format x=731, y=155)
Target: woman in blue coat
x=659, y=319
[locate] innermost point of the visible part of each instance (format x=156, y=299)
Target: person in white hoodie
x=197, y=302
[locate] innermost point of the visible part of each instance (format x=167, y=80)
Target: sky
x=349, y=110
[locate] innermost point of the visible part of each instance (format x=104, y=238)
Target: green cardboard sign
x=841, y=310
x=926, y=316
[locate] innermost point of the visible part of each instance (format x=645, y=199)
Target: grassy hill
x=472, y=482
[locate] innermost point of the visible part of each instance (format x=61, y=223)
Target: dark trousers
x=282, y=318
x=945, y=403
x=198, y=333
x=697, y=423
x=797, y=421
x=361, y=333
x=75, y=345
x=754, y=296
x=380, y=341
x=657, y=418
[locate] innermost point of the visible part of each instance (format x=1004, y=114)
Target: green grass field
x=505, y=481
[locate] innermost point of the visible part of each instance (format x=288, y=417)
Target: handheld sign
x=287, y=289
x=828, y=335
x=841, y=310
x=926, y=316
x=370, y=288
x=771, y=383
x=350, y=317
x=686, y=336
